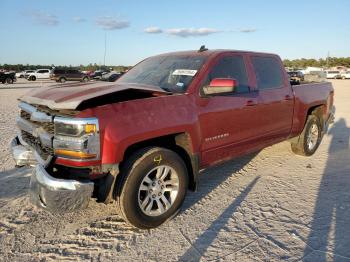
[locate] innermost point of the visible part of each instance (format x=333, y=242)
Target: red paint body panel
x=220, y=127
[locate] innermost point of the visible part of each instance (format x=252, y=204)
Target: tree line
x=296, y=63
x=329, y=62
x=89, y=67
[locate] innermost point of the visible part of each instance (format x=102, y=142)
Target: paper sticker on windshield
x=184, y=72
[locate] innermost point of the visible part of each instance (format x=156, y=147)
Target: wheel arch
x=317, y=110
x=180, y=143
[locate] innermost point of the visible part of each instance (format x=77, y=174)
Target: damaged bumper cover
x=46, y=191
x=58, y=195
x=22, y=153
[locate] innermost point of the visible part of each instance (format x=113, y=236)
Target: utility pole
x=104, y=57
x=328, y=60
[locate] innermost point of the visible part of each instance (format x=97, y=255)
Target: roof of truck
x=212, y=52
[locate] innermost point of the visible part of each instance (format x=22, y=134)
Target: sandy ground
x=269, y=206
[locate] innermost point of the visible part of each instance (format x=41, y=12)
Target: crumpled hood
x=70, y=96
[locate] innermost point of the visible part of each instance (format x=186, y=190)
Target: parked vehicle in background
x=345, y=75
x=296, y=77
x=7, y=77
x=333, y=74
x=39, y=74
x=88, y=73
x=141, y=141
x=27, y=73
x=99, y=73
x=62, y=75
x=111, y=77
x=24, y=73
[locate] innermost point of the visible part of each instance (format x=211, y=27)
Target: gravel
x=270, y=206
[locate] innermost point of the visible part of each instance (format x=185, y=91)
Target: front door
x=227, y=121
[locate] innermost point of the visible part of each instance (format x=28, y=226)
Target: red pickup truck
x=141, y=141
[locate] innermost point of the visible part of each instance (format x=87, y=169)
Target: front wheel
x=309, y=140
x=32, y=78
x=152, y=186
x=85, y=79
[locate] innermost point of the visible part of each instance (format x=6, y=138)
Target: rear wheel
x=9, y=80
x=151, y=187
x=309, y=140
x=85, y=79
x=32, y=78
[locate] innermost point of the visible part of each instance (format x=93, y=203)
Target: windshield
x=171, y=73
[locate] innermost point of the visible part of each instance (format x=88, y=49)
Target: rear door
x=72, y=74
x=275, y=100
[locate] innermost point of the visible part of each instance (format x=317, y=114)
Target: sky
x=73, y=32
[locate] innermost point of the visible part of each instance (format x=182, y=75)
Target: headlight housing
x=77, y=138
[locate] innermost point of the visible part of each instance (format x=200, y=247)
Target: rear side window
x=268, y=72
x=231, y=67
x=73, y=71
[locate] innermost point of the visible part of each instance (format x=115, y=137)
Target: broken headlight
x=77, y=138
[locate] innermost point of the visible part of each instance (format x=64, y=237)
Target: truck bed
x=308, y=95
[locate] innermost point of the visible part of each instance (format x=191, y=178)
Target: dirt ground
x=269, y=206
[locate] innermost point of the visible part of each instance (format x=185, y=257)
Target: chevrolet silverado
x=141, y=141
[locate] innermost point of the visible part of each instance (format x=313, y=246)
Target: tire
x=85, y=79
x=131, y=194
x=32, y=78
x=305, y=146
x=62, y=80
x=9, y=80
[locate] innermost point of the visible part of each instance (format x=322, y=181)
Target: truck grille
x=47, y=126
x=37, y=134
x=35, y=143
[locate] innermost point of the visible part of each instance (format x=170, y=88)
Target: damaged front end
x=36, y=145
x=22, y=154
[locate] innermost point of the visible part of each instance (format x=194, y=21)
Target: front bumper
x=53, y=194
x=58, y=195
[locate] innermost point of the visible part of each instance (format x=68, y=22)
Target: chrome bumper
x=53, y=194
x=58, y=195
x=330, y=120
x=22, y=154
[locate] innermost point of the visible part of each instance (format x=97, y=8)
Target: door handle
x=251, y=103
x=288, y=97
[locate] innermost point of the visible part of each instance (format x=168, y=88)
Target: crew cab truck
x=140, y=142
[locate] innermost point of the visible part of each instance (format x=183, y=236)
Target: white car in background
x=333, y=74
x=39, y=74
x=24, y=73
x=345, y=75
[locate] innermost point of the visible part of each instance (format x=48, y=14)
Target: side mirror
x=220, y=86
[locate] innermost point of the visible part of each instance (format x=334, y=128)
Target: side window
x=268, y=72
x=231, y=67
x=41, y=71
x=59, y=71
